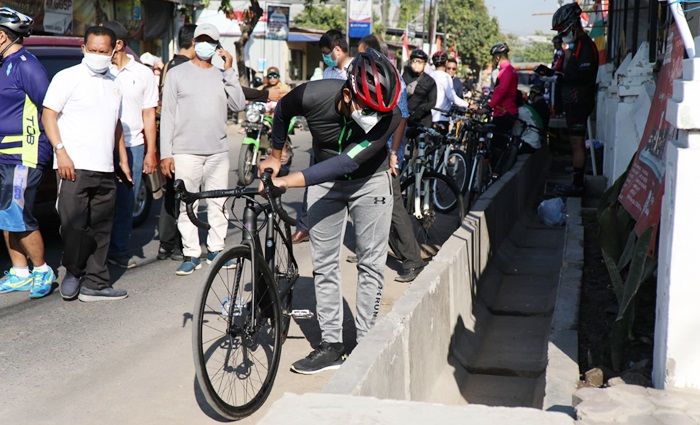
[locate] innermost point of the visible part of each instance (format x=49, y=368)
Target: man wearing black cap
x=193, y=142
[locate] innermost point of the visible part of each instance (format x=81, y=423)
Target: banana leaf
x=636, y=272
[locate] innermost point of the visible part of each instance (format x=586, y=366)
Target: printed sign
x=359, y=18
x=277, y=22
x=643, y=189
x=58, y=16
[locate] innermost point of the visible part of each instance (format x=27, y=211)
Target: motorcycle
x=256, y=144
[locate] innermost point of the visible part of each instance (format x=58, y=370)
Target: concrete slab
x=331, y=409
x=514, y=346
x=532, y=261
x=551, y=238
x=525, y=295
x=492, y=390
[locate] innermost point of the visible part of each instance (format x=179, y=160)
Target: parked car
x=57, y=53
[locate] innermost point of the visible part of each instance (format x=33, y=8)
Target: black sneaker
x=106, y=294
x=327, y=356
x=122, y=262
x=409, y=275
x=164, y=253
x=70, y=286
x=176, y=255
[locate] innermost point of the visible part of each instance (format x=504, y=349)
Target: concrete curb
x=332, y=409
x=399, y=357
x=562, y=374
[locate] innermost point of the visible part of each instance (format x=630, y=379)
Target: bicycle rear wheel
x=457, y=167
x=237, y=334
x=432, y=225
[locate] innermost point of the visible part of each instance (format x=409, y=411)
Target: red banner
x=643, y=189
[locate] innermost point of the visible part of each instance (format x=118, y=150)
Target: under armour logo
x=379, y=200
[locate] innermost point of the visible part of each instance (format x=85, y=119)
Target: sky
x=516, y=16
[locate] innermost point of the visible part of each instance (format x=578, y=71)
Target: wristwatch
x=58, y=147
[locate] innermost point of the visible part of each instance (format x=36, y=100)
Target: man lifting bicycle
x=350, y=122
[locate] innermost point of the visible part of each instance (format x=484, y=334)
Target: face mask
x=204, y=50
x=329, y=61
x=99, y=64
x=568, y=38
x=366, y=122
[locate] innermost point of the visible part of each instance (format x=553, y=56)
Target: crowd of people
x=98, y=123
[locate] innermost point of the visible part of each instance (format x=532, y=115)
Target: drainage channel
x=515, y=301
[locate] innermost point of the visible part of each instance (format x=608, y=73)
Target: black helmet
x=16, y=22
x=565, y=17
x=374, y=81
x=419, y=54
x=439, y=58
x=499, y=48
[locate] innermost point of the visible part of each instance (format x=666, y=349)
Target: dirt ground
x=597, y=314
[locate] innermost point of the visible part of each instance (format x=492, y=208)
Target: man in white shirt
x=138, y=116
x=336, y=54
x=81, y=119
x=446, y=95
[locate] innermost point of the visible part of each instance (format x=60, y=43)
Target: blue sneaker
x=43, y=282
x=230, y=264
x=189, y=265
x=13, y=283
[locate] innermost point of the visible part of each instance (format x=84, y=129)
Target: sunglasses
x=273, y=75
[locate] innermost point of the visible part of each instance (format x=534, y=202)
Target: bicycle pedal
x=302, y=314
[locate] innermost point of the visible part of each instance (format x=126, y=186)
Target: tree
x=251, y=16
x=529, y=51
x=469, y=27
x=321, y=17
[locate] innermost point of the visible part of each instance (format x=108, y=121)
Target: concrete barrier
x=401, y=355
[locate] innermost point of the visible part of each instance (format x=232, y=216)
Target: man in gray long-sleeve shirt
x=193, y=142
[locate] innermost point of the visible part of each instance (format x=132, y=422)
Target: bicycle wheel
x=237, y=334
x=479, y=180
x=285, y=271
x=432, y=226
x=457, y=167
x=444, y=192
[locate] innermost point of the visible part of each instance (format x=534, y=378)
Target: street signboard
x=359, y=18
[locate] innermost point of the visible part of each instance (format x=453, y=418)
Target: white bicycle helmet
x=20, y=24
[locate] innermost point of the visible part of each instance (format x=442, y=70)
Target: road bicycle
x=431, y=197
x=242, y=313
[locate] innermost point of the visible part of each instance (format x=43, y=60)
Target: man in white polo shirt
x=81, y=120
x=139, y=100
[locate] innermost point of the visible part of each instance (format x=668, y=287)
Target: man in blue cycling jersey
x=24, y=151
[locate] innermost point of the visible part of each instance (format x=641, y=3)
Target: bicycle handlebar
x=272, y=193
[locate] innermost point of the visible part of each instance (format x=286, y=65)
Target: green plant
x=626, y=258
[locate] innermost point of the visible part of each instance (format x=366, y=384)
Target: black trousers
x=402, y=238
x=86, y=210
x=167, y=222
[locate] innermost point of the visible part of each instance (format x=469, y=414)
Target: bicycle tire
x=457, y=167
x=432, y=226
x=236, y=314
x=445, y=194
x=286, y=271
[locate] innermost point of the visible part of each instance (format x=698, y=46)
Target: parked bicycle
x=431, y=197
x=242, y=314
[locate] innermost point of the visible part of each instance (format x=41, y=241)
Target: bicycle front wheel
x=432, y=225
x=236, y=336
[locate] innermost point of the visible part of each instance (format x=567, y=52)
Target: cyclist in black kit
x=577, y=82
x=350, y=122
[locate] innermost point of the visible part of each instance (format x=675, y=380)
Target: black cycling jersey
x=341, y=149
x=580, y=71
x=422, y=95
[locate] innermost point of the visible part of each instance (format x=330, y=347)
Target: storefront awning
x=303, y=37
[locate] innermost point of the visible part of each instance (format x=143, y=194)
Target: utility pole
x=433, y=24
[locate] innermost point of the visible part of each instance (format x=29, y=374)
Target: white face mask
x=366, y=122
x=99, y=64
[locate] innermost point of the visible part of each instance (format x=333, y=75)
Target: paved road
x=130, y=361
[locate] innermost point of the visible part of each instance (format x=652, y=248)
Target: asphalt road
x=131, y=361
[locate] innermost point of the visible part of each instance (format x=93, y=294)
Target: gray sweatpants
x=369, y=202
